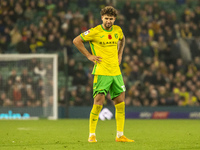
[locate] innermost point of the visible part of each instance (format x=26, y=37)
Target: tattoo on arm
x=121, y=46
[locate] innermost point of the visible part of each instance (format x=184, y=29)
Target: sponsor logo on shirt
x=110, y=42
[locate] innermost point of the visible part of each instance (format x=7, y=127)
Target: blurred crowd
x=161, y=59
x=30, y=84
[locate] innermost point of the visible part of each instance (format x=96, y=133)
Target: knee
x=99, y=99
x=119, y=99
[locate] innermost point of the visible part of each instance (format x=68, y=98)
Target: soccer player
x=107, y=43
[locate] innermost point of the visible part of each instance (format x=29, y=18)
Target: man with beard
x=107, y=43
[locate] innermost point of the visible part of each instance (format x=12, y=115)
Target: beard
x=108, y=25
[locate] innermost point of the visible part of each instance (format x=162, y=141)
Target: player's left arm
x=121, y=45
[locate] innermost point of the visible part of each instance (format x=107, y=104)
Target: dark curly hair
x=109, y=10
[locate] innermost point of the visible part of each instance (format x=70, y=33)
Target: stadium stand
x=161, y=61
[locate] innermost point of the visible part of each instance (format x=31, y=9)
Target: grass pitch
x=72, y=134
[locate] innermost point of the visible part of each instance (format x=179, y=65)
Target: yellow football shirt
x=104, y=43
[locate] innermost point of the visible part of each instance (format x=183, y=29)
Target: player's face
x=108, y=21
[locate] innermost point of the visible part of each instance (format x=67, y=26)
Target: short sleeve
x=88, y=35
x=121, y=35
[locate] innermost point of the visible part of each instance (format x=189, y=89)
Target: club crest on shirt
x=116, y=35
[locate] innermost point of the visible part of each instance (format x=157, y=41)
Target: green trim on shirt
x=106, y=30
x=92, y=46
x=82, y=37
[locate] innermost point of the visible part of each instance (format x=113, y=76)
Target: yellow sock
x=94, y=116
x=120, y=116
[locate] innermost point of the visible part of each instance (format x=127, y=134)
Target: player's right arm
x=78, y=42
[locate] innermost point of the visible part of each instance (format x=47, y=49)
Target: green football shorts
x=113, y=84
